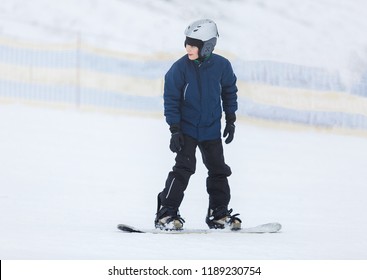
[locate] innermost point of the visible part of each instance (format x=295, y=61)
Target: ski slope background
x=69, y=177
x=324, y=33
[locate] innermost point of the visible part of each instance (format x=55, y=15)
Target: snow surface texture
x=69, y=177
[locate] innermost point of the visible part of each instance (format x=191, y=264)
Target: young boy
x=198, y=87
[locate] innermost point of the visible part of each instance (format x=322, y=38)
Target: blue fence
x=78, y=74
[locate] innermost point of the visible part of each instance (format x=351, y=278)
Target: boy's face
x=192, y=52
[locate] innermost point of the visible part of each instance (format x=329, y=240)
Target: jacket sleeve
x=229, y=90
x=173, y=85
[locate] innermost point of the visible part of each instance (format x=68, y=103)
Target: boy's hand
x=177, y=139
x=230, y=128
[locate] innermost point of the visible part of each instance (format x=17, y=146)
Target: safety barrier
x=81, y=75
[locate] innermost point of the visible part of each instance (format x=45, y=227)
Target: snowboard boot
x=168, y=218
x=221, y=217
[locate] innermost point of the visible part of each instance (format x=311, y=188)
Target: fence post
x=78, y=69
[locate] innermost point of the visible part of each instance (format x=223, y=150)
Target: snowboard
x=263, y=228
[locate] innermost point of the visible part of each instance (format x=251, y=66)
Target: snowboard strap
x=159, y=203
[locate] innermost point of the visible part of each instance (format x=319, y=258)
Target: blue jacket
x=195, y=94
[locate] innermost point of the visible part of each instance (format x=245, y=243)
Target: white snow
x=323, y=33
x=69, y=177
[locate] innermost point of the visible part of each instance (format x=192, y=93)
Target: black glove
x=230, y=128
x=177, y=139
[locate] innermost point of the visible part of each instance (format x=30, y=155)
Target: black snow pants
x=216, y=182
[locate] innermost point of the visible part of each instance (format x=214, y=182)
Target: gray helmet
x=205, y=30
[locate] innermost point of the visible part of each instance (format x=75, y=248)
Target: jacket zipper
x=200, y=92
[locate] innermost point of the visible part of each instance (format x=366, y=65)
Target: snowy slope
x=322, y=33
x=115, y=53
x=69, y=177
